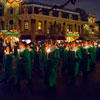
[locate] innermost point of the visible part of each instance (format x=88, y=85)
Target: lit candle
x=99, y=45
x=48, y=51
x=76, y=51
x=6, y=52
x=18, y=53
x=87, y=48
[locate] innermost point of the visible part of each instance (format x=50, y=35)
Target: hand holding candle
x=99, y=45
x=18, y=53
x=48, y=51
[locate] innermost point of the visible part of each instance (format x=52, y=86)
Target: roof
x=98, y=21
x=25, y=37
x=50, y=6
x=38, y=3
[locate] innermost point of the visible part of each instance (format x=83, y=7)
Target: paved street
x=83, y=89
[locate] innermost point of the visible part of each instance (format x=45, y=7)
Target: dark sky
x=91, y=6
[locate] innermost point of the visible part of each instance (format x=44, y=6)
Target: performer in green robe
x=55, y=63
x=42, y=56
x=98, y=52
x=93, y=50
x=34, y=46
x=32, y=54
x=61, y=48
x=15, y=49
x=23, y=70
x=8, y=64
x=75, y=57
x=86, y=59
x=51, y=65
x=36, y=60
x=65, y=60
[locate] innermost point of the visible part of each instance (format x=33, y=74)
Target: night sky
x=91, y=6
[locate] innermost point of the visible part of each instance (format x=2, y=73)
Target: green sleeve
x=79, y=55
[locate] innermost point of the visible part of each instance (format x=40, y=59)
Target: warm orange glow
x=10, y=0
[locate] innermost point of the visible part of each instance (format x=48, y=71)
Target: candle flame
x=48, y=50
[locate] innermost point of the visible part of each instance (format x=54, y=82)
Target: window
x=1, y=12
x=79, y=29
x=70, y=28
x=39, y=25
x=55, y=13
x=11, y=10
x=45, y=11
x=26, y=25
x=74, y=17
x=11, y=24
x=65, y=15
x=36, y=10
x=29, y=10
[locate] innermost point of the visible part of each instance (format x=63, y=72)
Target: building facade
x=37, y=21
x=98, y=22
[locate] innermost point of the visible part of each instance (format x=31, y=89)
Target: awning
x=53, y=37
x=40, y=37
x=61, y=38
x=81, y=38
x=25, y=37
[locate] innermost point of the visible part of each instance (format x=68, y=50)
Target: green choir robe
x=15, y=50
x=32, y=54
x=65, y=60
x=23, y=70
x=8, y=66
x=36, y=61
x=42, y=56
x=98, y=53
x=61, y=48
x=86, y=60
x=34, y=47
x=93, y=54
x=74, y=60
x=51, y=67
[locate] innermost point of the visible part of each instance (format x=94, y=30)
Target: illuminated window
x=26, y=25
x=39, y=25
